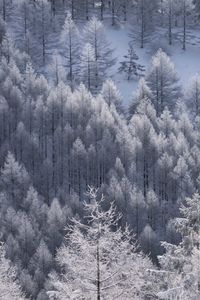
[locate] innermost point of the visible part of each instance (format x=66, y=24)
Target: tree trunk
x=102, y=9
x=170, y=22
x=184, y=25
x=98, y=274
x=142, y=25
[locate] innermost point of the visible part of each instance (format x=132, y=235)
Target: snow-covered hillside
x=187, y=62
x=99, y=149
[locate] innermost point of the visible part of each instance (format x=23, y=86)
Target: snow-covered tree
x=168, y=8
x=9, y=288
x=98, y=262
x=43, y=25
x=57, y=69
x=186, y=8
x=129, y=66
x=111, y=94
x=197, y=7
x=145, y=16
x=88, y=67
x=4, y=7
x=192, y=95
x=142, y=92
x=56, y=221
x=2, y=30
x=70, y=39
x=14, y=181
x=24, y=8
x=162, y=79
x=180, y=271
x=41, y=263
x=94, y=34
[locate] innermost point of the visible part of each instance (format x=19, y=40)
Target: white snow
x=187, y=62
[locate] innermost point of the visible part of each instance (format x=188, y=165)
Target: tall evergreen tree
x=162, y=79
x=100, y=262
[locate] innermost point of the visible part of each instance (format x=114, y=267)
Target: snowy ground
x=187, y=62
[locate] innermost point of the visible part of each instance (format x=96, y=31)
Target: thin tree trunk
x=184, y=25
x=142, y=25
x=170, y=22
x=102, y=9
x=4, y=10
x=98, y=274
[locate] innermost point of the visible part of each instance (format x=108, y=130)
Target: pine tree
x=169, y=7
x=24, y=8
x=9, y=288
x=145, y=16
x=88, y=67
x=2, y=30
x=129, y=66
x=94, y=34
x=193, y=95
x=143, y=92
x=41, y=263
x=43, y=26
x=56, y=222
x=180, y=264
x=111, y=94
x=186, y=8
x=14, y=182
x=197, y=7
x=70, y=40
x=57, y=69
x=99, y=262
x=162, y=79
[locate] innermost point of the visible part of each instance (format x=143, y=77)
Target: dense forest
x=97, y=200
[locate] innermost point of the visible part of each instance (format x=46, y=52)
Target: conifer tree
x=129, y=66
x=70, y=40
x=162, y=79
x=94, y=34
x=88, y=67
x=9, y=288
x=99, y=262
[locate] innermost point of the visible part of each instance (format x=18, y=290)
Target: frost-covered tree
x=192, y=95
x=130, y=66
x=24, y=9
x=43, y=25
x=9, y=288
x=2, y=30
x=142, y=92
x=41, y=263
x=88, y=67
x=94, y=34
x=145, y=16
x=56, y=221
x=168, y=8
x=186, y=8
x=72, y=6
x=197, y=7
x=180, y=271
x=98, y=261
x=4, y=7
x=57, y=69
x=14, y=181
x=162, y=79
x=111, y=94
x=70, y=39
